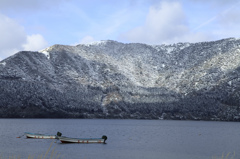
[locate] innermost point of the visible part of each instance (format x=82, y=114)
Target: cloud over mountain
x=14, y=38
x=164, y=23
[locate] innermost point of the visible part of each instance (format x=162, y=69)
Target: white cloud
x=35, y=42
x=11, y=33
x=164, y=23
x=14, y=38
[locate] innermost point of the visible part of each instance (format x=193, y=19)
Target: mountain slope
x=109, y=79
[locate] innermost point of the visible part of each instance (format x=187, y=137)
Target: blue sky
x=37, y=24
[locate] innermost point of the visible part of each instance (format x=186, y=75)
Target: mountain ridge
x=109, y=79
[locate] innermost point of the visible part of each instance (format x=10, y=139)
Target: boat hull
x=81, y=140
x=40, y=136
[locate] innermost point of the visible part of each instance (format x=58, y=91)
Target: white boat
x=64, y=139
x=39, y=136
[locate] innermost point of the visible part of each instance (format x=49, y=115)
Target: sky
x=33, y=25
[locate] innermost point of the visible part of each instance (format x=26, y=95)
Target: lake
x=127, y=139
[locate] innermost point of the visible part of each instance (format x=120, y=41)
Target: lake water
x=127, y=139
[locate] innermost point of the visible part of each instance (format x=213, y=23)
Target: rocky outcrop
x=108, y=79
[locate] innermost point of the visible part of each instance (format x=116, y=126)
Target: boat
x=40, y=136
x=64, y=139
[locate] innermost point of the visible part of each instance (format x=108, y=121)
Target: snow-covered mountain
x=108, y=79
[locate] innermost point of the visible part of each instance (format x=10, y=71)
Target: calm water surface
x=127, y=139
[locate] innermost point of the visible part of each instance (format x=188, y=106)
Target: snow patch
x=46, y=53
x=3, y=63
x=169, y=49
